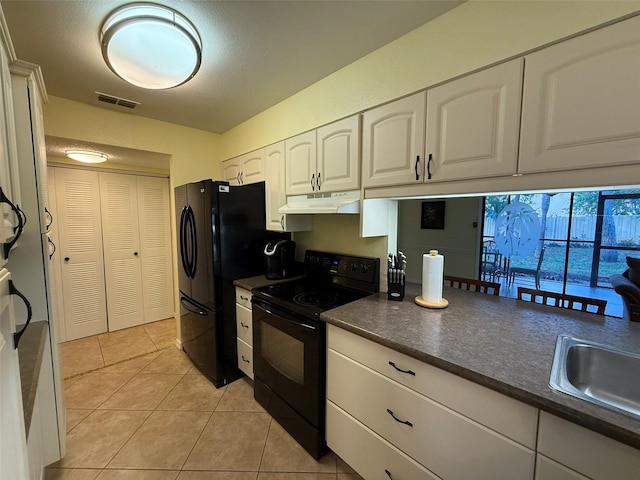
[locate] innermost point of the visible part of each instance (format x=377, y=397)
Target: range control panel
x=344, y=268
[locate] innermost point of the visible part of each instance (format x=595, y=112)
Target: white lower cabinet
x=547, y=469
x=583, y=452
x=369, y=454
x=453, y=428
x=244, y=331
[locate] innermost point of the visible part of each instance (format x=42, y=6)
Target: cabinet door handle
x=429, y=167
x=52, y=245
x=410, y=372
x=313, y=183
x=22, y=220
x=416, y=167
x=14, y=291
x=49, y=219
x=282, y=222
x=388, y=473
x=245, y=360
x=241, y=178
x=244, y=325
x=318, y=181
x=406, y=422
x=244, y=298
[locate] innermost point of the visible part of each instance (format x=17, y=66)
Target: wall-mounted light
x=151, y=46
x=86, y=156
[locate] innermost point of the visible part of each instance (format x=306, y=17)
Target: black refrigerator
x=221, y=233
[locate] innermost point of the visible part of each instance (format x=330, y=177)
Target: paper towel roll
x=432, y=276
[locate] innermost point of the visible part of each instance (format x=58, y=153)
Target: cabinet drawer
x=244, y=325
x=593, y=455
x=445, y=442
x=245, y=358
x=368, y=454
x=243, y=297
x=503, y=414
x=547, y=469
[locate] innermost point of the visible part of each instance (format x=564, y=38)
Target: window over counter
x=568, y=242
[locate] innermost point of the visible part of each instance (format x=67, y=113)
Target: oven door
x=289, y=358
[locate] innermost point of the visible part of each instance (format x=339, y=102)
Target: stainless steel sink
x=597, y=373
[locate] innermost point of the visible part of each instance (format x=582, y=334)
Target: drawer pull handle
x=245, y=360
x=388, y=473
x=406, y=422
x=244, y=298
x=410, y=372
x=244, y=325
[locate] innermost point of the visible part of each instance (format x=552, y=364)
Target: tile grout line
x=196, y=442
x=264, y=447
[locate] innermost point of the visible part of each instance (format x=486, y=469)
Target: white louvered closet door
x=155, y=238
x=82, y=267
x=121, y=240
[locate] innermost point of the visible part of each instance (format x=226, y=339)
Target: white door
x=80, y=234
x=252, y=167
x=274, y=185
x=300, y=161
x=580, y=103
x=121, y=243
x=156, y=251
x=473, y=124
x=55, y=271
x=339, y=155
x=393, y=142
x=13, y=444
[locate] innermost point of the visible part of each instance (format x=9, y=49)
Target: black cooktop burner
x=317, y=299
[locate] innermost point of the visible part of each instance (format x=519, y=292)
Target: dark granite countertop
x=502, y=343
x=30, y=353
x=259, y=281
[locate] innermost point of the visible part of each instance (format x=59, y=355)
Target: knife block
x=395, y=291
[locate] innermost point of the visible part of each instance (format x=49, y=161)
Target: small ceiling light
x=87, y=156
x=151, y=46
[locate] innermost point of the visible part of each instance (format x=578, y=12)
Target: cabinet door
x=252, y=167
x=547, y=469
x=155, y=248
x=80, y=234
x=472, y=124
x=231, y=171
x=121, y=240
x=274, y=185
x=300, y=161
x=393, y=142
x=339, y=155
x=580, y=104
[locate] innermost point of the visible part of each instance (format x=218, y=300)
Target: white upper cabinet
x=300, y=161
x=247, y=168
x=393, y=142
x=339, y=155
x=472, y=124
x=580, y=105
x=324, y=160
x=275, y=194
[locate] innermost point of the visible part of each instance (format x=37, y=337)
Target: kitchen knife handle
x=416, y=167
x=429, y=167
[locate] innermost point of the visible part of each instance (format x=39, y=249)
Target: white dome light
x=86, y=156
x=151, y=46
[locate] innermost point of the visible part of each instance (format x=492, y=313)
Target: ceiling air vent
x=113, y=100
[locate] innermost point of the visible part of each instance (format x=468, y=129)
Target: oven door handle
x=285, y=316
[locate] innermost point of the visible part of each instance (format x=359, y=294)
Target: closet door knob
x=135, y=253
x=66, y=259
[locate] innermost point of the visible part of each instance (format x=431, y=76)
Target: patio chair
x=490, y=288
x=535, y=272
x=562, y=300
x=630, y=293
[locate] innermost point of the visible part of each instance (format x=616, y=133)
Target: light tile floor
x=155, y=417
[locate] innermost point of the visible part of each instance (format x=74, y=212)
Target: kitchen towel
x=432, y=277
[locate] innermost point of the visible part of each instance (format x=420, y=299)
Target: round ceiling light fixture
x=86, y=156
x=151, y=46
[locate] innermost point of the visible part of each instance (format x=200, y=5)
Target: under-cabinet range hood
x=337, y=202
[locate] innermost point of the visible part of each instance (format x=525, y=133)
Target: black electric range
x=289, y=340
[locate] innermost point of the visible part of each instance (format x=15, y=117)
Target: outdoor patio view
x=577, y=241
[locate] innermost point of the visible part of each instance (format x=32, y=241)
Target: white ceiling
x=255, y=53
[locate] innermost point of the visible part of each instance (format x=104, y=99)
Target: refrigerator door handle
x=183, y=240
x=193, y=261
x=186, y=304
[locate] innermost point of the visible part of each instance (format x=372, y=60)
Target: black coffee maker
x=279, y=257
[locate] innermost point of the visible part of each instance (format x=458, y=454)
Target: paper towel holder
x=423, y=303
